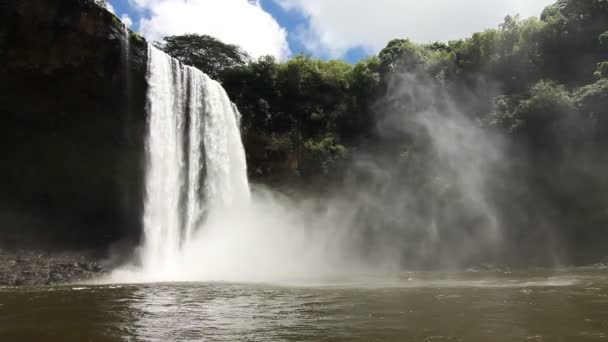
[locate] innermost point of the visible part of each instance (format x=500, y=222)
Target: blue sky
x=345, y=29
x=292, y=20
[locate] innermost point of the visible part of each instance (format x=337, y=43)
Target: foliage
x=303, y=100
x=136, y=36
x=204, y=52
x=603, y=38
x=547, y=104
x=593, y=100
x=602, y=70
x=402, y=55
x=570, y=44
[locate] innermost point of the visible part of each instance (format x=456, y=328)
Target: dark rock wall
x=72, y=126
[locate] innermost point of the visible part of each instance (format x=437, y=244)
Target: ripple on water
x=410, y=307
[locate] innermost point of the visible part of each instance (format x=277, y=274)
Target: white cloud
x=127, y=20
x=109, y=7
x=335, y=26
x=241, y=22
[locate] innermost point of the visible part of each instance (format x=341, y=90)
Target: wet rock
x=25, y=268
x=70, y=101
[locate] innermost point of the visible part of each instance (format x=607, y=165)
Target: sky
x=343, y=29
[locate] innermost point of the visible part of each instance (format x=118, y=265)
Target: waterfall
x=126, y=44
x=126, y=59
x=195, y=158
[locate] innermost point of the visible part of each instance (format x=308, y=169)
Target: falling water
x=126, y=56
x=126, y=44
x=196, y=161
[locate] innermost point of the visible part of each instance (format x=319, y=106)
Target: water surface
x=538, y=306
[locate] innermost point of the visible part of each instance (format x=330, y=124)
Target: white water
x=193, y=139
x=126, y=44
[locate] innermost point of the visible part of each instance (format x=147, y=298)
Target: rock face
x=30, y=268
x=72, y=126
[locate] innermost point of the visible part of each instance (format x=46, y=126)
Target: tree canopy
x=204, y=52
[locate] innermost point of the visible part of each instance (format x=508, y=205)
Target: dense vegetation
x=536, y=90
x=205, y=53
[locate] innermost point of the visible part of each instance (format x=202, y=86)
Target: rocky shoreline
x=36, y=268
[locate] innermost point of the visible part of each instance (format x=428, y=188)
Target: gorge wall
x=72, y=126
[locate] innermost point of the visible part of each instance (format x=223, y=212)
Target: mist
x=379, y=219
x=434, y=204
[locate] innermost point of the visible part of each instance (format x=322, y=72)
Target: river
x=566, y=305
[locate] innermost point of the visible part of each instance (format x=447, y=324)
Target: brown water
x=540, y=306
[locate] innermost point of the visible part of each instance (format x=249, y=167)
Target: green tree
x=100, y=3
x=204, y=52
x=602, y=71
x=402, y=55
x=593, y=100
x=570, y=44
x=603, y=38
x=539, y=117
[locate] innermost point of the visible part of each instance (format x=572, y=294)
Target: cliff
x=72, y=126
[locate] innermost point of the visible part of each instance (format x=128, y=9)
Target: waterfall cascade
x=126, y=60
x=195, y=158
x=126, y=42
